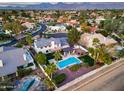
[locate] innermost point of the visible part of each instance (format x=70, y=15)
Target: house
x=99, y=19
x=50, y=45
x=28, y=25
x=12, y=59
x=48, y=18
x=72, y=22
x=87, y=39
x=57, y=28
x=93, y=29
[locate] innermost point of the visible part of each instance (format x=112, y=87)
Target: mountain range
x=64, y=6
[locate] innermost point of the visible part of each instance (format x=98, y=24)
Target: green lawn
x=87, y=59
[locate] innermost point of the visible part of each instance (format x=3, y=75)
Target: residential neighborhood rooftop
x=87, y=39
x=11, y=59
x=42, y=42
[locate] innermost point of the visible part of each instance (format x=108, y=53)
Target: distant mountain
x=66, y=6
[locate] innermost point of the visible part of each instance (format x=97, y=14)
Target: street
x=42, y=29
x=112, y=80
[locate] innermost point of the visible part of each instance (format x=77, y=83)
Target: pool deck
x=73, y=75
x=69, y=55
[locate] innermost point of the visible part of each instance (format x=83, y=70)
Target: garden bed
x=87, y=59
x=75, y=67
x=59, y=78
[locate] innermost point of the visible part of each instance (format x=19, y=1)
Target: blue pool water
x=67, y=62
x=26, y=85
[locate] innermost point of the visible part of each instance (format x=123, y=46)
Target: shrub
x=87, y=59
x=75, y=67
x=59, y=78
x=24, y=72
x=19, y=45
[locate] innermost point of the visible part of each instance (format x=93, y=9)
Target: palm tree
x=57, y=55
x=121, y=53
x=91, y=51
x=29, y=39
x=50, y=69
x=96, y=42
x=48, y=83
x=100, y=55
x=73, y=36
x=41, y=58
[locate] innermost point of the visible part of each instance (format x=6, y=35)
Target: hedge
x=59, y=78
x=75, y=67
x=87, y=59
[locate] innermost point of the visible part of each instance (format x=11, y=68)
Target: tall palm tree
x=96, y=42
x=73, y=36
x=91, y=51
x=41, y=58
x=57, y=55
x=29, y=39
x=50, y=69
x=48, y=83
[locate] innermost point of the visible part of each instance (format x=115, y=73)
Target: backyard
x=63, y=76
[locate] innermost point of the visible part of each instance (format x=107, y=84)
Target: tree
x=50, y=69
x=108, y=26
x=91, y=51
x=100, y=55
x=96, y=42
x=29, y=39
x=69, y=27
x=48, y=83
x=73, y=36
x=41, y=58
x=14, y=26
x=121, y=53
x=57, y=55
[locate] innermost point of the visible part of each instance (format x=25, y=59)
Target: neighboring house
x=28, y=25
x=12, y=59
x=48, y=18
x=79, y=29
x=57, y=28
x=93, y=29
x=87, y=39
x=99, y=19
x=72, y=22
x=50, y=45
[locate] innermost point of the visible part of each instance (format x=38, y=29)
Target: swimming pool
x=26, y=85
x=68, y=62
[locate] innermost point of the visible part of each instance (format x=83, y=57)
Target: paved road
x=43, y=28
x=111, y=81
